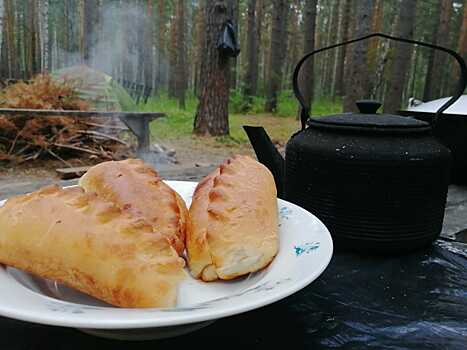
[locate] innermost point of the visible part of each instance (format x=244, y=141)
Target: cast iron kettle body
x=378, y=182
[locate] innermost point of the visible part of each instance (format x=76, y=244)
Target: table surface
x=416, y=301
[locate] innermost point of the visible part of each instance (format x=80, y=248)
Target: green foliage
x=287, y=104
x=179, y=123
x=237, y=103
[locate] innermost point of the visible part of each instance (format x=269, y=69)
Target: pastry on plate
x=136, y=187
x=90, y=244
x=234, y=221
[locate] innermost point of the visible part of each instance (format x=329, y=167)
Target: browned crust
x=91, y=245
x=135, y=186
x=234, y=219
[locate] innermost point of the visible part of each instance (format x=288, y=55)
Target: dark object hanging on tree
x=227, y=43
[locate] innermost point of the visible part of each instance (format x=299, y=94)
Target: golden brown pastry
x=135, y=186
x=89, y=244
x=234, y=221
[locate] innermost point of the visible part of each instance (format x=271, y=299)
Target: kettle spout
x=267, y=154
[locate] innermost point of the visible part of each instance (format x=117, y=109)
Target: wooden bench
x=137, y=122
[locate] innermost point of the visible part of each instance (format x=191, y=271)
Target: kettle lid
x=369, y=121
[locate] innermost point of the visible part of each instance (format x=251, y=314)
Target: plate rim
x=198, y=315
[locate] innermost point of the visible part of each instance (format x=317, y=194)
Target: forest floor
x=195, y=155
x=190, y=151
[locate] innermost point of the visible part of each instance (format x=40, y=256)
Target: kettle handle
x=305, y=113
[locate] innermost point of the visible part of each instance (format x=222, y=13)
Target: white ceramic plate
x=305, y=251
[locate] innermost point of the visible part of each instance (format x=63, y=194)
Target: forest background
x=165, y=45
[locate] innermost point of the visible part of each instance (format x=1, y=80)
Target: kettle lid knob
x=368, y=106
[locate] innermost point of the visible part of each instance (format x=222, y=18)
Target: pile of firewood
x=24, y=138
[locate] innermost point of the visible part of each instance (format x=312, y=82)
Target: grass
x=179, y=123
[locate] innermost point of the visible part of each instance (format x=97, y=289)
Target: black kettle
x=378, y=181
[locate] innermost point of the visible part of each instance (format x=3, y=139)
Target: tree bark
x=343, y=36
x=463, y=35
x=358, y=87
x=127, y=66
x=306, y=73
x=149, y=47
x=141, y=44
x=461, y=47
x=294, y=46
x=376, y=26
x=263, y=40
x=180, y=70
x=212, y=112
x=90, y=13
x=251, y=76
x=172, y=51
x=9, y=52
x=331, y=54
x=199, y=49
x=437, y=60
x=65, y=35
x=44, y=26
x=161, y=75
x=32, y=47
x=402, y=52
x=277, y=53
x=233, y=65
x=3, y=52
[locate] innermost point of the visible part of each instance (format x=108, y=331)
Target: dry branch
x=26, y=135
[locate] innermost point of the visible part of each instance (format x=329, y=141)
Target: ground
x=195, y=155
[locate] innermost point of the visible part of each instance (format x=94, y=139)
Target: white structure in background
x=458, y=108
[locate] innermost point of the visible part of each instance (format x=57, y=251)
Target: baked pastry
x=89, y=244
x=135, y=186
x=234, y=221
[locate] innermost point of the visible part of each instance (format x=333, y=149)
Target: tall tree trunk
x=348, y=49
x=127, y=66
x=461, y=46
x=149, y=47
x=306, y=73
x=463, y=34
x=81, y=29
x=251, y=76
x=172, y=52
x=50, y=33
x=180, y=70
x=4, y=69
x=376, y=27
x=9, y=51
x=402, y=52
x=65, y=35
x=343, y=36
x=277, y=53
x=437, y=59
x=44, y=25
x=358, y=72
x=199, y=46
x=234, y=63
x=3, y=50
x=212, y=115
x=141, y=46
x=263, y=27
x=294, y=48
x=90, y=13
x=161, y=71
x=333, y=31
x=20, y=38
x=33, y=54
